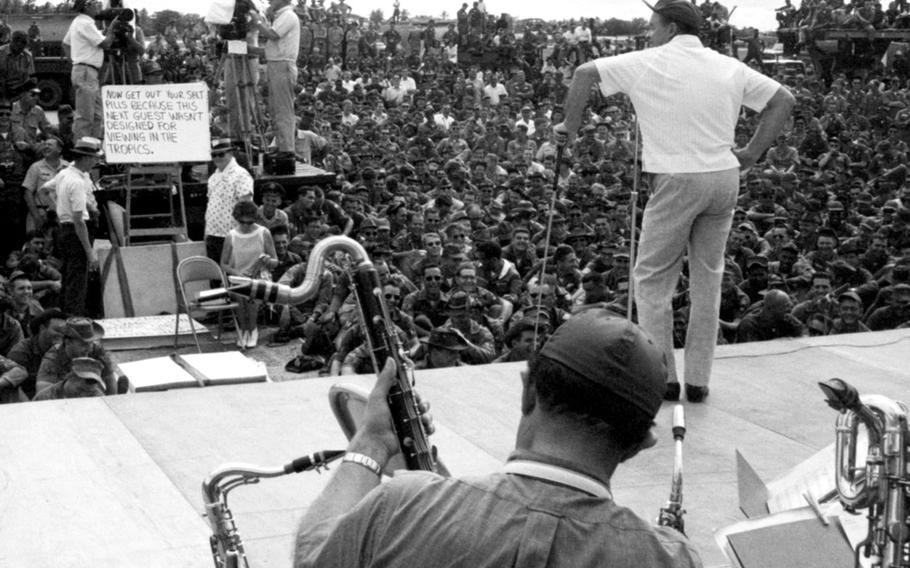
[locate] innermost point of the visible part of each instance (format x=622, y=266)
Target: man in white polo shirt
x=281, y=49
x=85, y=45
x=74, y=244
x=687, y=99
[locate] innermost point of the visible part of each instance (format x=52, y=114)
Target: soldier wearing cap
x=83, y=380
x=849, y=312
x=587, y=405
x=896, y=313
x=31, y=117
x=443, y=349
x=481, y=347
x=81, y=339
x=687, y=99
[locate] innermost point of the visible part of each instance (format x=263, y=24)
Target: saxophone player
x=587, y=405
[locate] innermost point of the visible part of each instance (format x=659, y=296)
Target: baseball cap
x=88, y=368
x=614, y=354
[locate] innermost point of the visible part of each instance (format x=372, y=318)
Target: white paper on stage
x=149, y=124
x=226, y=368
x=195, y=370
x=159, y=373
x=814, y=475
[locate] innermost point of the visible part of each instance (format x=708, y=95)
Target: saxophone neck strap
x=560, y=475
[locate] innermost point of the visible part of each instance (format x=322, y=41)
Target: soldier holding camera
x=85, y=45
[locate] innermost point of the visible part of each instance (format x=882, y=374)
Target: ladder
x=159, y=190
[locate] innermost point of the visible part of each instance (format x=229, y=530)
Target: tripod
x=240, y=94
x=117, y=70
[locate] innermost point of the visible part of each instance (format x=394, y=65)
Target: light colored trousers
x=87, y=117
x=691, y=211
x=282, y=80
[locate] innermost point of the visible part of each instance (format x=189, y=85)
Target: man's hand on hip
x=746, y=158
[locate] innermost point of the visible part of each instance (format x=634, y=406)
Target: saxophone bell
x=880, y=486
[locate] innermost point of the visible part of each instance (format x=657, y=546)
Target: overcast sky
x=749, y=13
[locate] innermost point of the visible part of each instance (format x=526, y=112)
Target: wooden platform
x=116, y=481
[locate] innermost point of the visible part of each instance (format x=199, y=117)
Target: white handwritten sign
x=156, y=123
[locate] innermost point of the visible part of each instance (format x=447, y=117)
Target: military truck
x=855, y=52
x=52, y=67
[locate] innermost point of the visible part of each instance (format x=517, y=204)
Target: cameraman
x=281, y=50
x=85, y=45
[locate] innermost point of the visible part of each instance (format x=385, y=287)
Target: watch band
x=363, y=460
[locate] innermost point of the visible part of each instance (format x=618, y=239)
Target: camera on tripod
x=239, y=25
x=121, y=18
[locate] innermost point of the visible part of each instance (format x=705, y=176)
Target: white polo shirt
x=73, y=189
x=688, y=99
x=84, y=38
x=287, y=25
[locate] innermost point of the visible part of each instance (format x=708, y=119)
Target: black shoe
x=672, y=392
x=279, y=338
x=305, y=364
x=696, y=394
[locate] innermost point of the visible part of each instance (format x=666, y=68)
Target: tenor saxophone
x=227, y=546
x=881, y=486
x=382, y=339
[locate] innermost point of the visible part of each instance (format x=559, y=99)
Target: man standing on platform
x=281, y=49
x=85, y=45
x=687, y=99
x=74, y=194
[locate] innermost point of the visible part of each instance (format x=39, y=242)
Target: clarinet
x=382, y=340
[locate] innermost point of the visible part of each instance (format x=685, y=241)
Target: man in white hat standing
x=687, y=99
x=75, y=199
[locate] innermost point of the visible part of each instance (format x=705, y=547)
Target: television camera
x=239, y=25
x=119, y=17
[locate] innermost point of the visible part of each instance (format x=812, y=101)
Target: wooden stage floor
x=116, y=481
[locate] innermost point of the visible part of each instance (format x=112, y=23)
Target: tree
x=160, y=20
x=376, y=17
x=142, y=20
x=404, y=15
x=444, y=15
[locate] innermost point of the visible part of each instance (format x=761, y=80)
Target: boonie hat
x=83, y=328
x=446, y=339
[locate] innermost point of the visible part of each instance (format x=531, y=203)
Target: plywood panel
x=150, y=274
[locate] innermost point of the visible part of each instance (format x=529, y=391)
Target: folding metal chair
x=195, y=274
